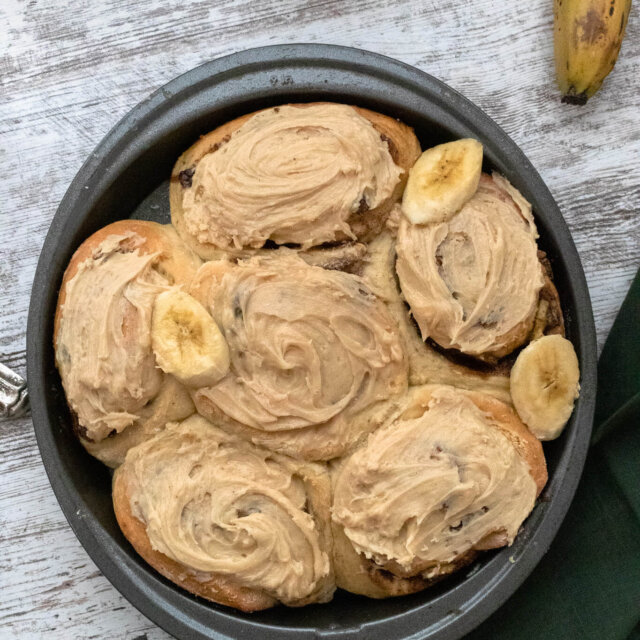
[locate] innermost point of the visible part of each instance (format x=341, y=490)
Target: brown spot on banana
x=591, y=27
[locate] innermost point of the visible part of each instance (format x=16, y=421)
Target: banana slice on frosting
x=442, y=180
x=544, y=385
x=186, y=340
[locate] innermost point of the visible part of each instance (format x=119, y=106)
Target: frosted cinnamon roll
x=304, y=174
x=315, y=355
x=473, y=282
x=102, y=340
x=453, y=473
x=426, y=365
x=226, y=520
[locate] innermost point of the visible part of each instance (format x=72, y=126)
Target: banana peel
x=587, y=39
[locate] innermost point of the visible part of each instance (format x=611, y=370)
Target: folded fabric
x=587, y=586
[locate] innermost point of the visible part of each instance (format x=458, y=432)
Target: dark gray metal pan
x=127, y=176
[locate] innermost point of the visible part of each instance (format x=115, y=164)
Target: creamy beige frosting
x=473, y=282
x=307, y=345
x=289, y=174
x=427, y=488
x=103, y=348
x=221, y=505
x=426, y=365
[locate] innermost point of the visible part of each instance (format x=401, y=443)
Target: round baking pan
x=127, y=176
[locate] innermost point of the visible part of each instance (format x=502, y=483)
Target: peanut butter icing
x=220, y=505
x=307, y=345
x=103, y=349
x=431, y=485
x=426, y=365
x=473, y=282
x=291, y=175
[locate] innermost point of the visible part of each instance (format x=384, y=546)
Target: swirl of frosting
x=473, y=282
x=220, y=505
x=103, y=347
x=308, y=347
x=102, y=331
x=433, y=484
x=291, y=175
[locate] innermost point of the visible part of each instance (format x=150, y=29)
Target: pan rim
x=164, y=604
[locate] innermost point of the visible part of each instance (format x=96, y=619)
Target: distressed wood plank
x=70, y=71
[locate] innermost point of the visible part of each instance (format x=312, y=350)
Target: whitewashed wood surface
x=69, y=70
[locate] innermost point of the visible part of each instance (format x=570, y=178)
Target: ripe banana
x=544, y=385
x=186, y=340
x=442, y=180
x=587, y=36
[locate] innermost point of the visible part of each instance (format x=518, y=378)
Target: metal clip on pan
x=14, y=397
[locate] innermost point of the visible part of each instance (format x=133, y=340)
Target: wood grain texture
x=70, y=70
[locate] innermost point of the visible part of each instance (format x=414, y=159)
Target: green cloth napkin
x=587, y=586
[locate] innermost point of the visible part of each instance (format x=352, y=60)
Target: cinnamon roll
x=326, y=327
x=315, y=356
x=305, y=174
x=473, y=282
x=453, y=473
x=426, y=365
x=117, y=394
x=226, y=520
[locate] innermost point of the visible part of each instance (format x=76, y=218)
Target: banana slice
x=442, y=180
x=544, y=385
x=186, y=340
